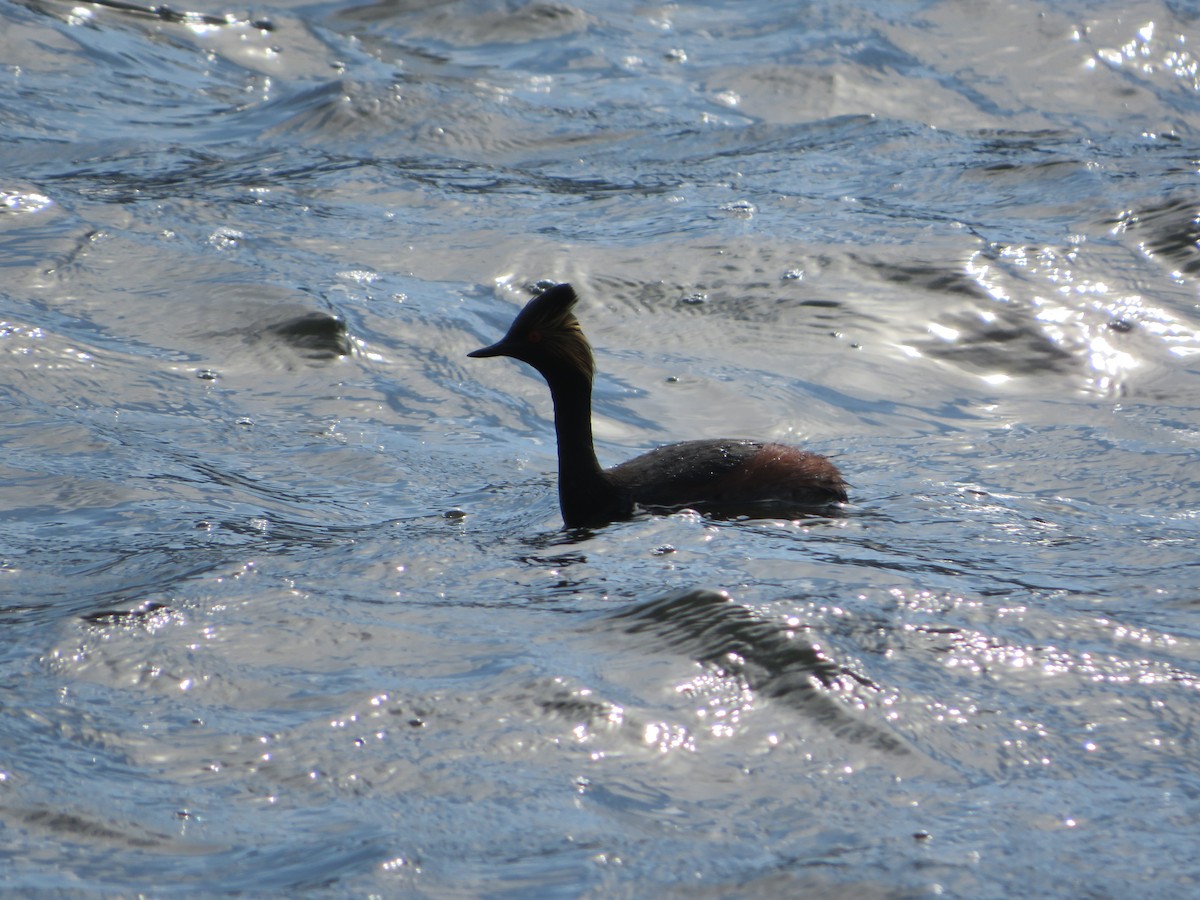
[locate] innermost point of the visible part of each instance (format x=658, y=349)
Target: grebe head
x=547, y=336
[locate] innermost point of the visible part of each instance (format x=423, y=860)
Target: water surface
x=288, y=602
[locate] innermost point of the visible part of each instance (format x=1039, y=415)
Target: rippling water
x=287, y=601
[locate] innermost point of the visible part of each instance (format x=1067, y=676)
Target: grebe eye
x=534, y=337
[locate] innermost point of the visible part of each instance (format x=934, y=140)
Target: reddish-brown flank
x=781, y=472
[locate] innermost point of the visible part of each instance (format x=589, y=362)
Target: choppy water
x=285, y=597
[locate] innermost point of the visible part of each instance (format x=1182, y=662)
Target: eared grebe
x=722, y=475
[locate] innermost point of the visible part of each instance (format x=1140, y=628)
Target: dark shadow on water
x=318, y=335
x=1170, y=230
x=143, y=614
x=779, y=660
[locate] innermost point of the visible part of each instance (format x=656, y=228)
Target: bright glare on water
x=287, y=600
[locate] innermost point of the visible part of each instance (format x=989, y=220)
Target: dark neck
x=585, y=494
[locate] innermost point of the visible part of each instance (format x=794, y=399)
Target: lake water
x=286, y=598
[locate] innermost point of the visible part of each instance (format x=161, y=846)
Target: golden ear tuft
x=546, y=335
x=576, y=349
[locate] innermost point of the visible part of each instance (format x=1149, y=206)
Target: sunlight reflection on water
x=285, y=579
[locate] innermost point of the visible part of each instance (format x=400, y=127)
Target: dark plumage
x=721, y=475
